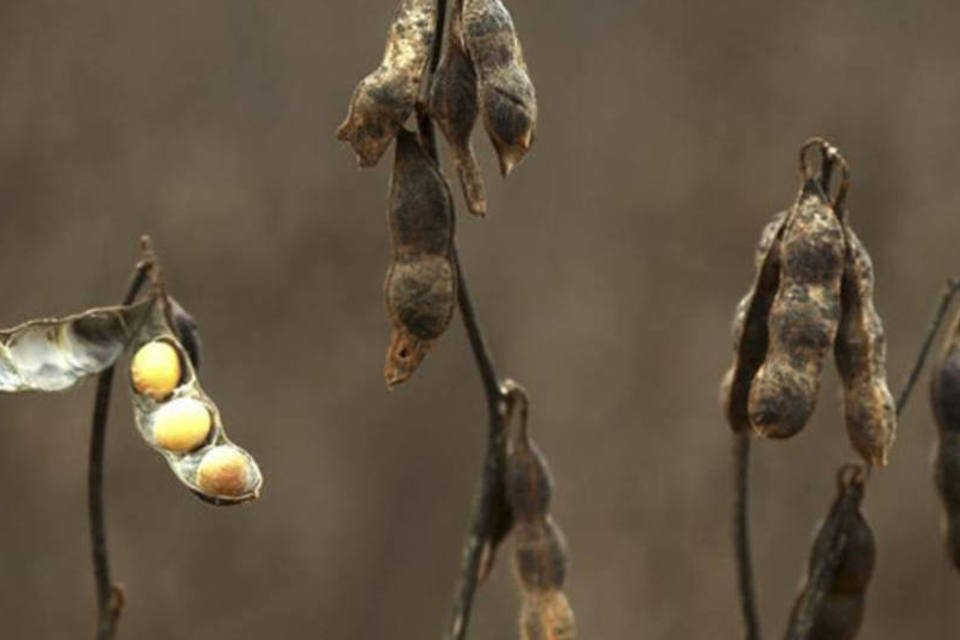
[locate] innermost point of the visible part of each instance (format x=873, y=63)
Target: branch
x=741, y=534
x=110, y=597
x=949, y=291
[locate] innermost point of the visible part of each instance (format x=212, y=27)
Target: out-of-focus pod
x=176, y=417
x=53, y=354
x=945, y=399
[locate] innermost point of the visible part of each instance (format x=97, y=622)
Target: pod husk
x=53, y=354
x=157, y=326
x=386, y=97
x=945, y=401
x=860, y=353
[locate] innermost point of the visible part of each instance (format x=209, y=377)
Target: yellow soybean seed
x=224, y=471
x=182, y=425
x=155, y=369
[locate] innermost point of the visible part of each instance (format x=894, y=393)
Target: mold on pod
x=803, y=318
x=420, y=287
x=184, y=424
x=453, y=105
x=751, y=337
x=945, y=400
x=860, y=354
x=547, y=616
x=384, y=99
x=507, y=98
x=53, y=354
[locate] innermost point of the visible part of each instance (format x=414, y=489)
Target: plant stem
x=482, y=519
x=109, y=596
x=741, y=534
x=949, y=291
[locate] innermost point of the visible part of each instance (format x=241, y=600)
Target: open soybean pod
x=860, y=353
x=804, y=315
x=842, y=562
x=53, y=354
x=384, y=99
x=177, y=419
x=421, y=283
x=945, y=399
x=508, y=101
x=453, y=104
x=751, y=337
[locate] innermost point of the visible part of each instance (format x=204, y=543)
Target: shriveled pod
x=804, y=316
x=945, y=400
x=751, y=337
x=53, y=354
x=453, y=105
x=540, y=557
x=177, y=419
x=841, y=565
x=508, y=101
x=384, y=99
x=186, y=330
x=860, y=353
x=421, y=283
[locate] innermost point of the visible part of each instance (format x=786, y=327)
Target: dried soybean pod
x=540, y=557
x=860, y=353
x=187, y=331
x=420, y=287
x=751, y=337
x=803, y=319
x=53, y=354
x=384, y=99
x=507, y=98
x=453, y=105
x=945, y=400
x=841, y=565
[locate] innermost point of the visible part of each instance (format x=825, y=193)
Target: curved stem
x=109, y=596
x=741, y=534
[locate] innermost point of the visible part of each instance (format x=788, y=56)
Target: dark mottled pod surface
x=384, y=99
x=803, y=318
x=453, y=105
x=507, y=98
x=945, y=399
x=750, y=326
x=421, y=283
x=860, y=353
x=540, y=557
x=841, y=565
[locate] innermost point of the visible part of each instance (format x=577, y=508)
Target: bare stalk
x=949, y=291
x=110, y=597
x=741, y=535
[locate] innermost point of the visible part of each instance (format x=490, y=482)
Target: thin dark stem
x=482, y=519
x=741, y=535
x=949, y=291
x=109, y=595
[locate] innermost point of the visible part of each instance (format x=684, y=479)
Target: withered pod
x=177, y=419
x=945, y=400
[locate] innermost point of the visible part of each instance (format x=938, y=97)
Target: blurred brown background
x=605, y=277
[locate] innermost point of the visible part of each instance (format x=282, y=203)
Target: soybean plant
x=455, y=67
x=172, y=413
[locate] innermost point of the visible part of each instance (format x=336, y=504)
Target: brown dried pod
x=803, y=318
x=945, y=400
x=751, y=337
x=507, y=98
x=453, y=105
x=842, y=562
x=384, y=99
x=540, y=557
x=547, y=616
x=860, y=353
x=421, y=283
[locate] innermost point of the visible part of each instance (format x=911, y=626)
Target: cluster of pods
x=477, y=70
